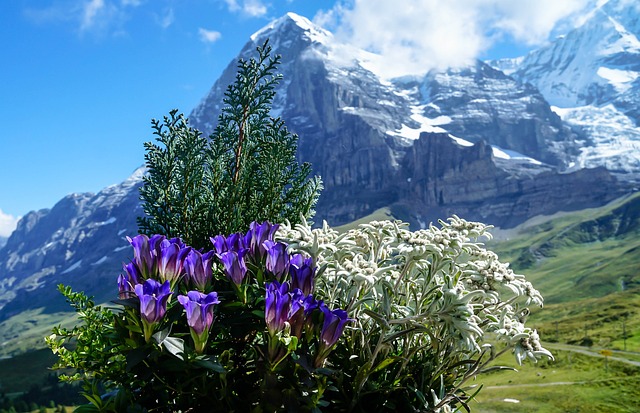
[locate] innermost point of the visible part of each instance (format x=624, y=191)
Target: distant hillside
x=586, y=254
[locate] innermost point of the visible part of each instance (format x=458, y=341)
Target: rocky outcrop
x=485, y=104
x=445, y=178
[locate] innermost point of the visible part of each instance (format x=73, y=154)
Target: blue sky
x=81, y=79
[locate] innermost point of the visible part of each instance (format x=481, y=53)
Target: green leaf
x=384, y=363
x=382, y=322
x=136, y=356
x=174, y=346
x=210, y=363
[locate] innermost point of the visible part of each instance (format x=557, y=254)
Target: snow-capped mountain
x=591, y=76
x=359, y=130
x=471, y=141
x=80, y=241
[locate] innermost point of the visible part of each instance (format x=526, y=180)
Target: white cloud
x=90, y=10
x=208, y=36
x=254, y=8
x=166, y=19
x=532, y=21
x=414, y=36
x=87, y=16
x=251, y=8
x=7, y=224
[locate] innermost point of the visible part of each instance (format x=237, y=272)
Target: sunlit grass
x=572, y=383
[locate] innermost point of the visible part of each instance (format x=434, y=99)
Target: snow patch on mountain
x=621, y=80
x=615, y=140
x=73, y=267
x=512, y=155
x=425, y=124
x=101, y=260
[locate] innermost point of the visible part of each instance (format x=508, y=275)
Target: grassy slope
x=586, y=254
x=571, y=383
x=587, y=266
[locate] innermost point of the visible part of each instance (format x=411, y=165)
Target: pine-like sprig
x=245, y=171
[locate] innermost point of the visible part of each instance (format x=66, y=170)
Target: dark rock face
x=466, y=180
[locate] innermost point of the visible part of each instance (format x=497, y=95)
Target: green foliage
x=245, y=171
x=87, y=348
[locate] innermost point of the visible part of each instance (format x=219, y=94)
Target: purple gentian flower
x=257, y=235
x=125, y=289
x=171, y=258
x=296, y=316
x=133, y=274
x=198, y=267
x=234, y=265
x=153, y=299
x=333, y=326
x=142, y=256
x=153, y=303
x=234, y=242
x=199, y=309
x=128, y=280
x=302, y=273
x=277, y=262
x=277, y=306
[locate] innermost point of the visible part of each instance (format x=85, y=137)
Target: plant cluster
x=424, y=304
x=236, y=328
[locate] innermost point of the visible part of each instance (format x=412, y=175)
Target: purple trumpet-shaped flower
x=234, y=242
x=142, y=256
x=234, y=266
x=277, y=306
x=198, y=268
x=157, y=256
x=302, y=273
x=125, y=289
x=171, y=257
x=277, y=262
x=257, y=235
x=332, y=328
x=297, y=311
x=199, y=309
x=128, y=280
x=153, y=303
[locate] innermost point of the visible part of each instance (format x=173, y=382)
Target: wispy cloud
x=208, y=36
x=87, y=16
x=166, y=19
x=414, y=36
x=7, y=224
x=250, y=8
x=90, y=10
